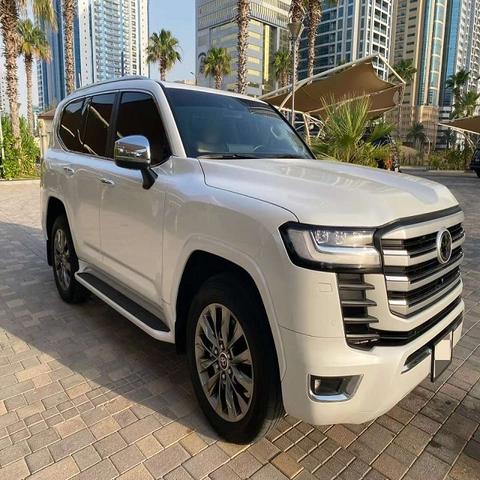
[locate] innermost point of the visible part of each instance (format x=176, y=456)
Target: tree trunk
x=68, y=14
x=9, y=29
x=218, y=82
x=28, y=74
x=315, y=15
x=242, y=20
x=163, y=70
x=296, y=15
x=284, y=79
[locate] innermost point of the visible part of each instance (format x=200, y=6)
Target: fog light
x=333, y=389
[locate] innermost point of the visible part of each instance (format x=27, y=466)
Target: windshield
x=220, y=126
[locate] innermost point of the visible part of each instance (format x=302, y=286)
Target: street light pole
x=295, y=28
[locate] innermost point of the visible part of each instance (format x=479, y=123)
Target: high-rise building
x=110, y=40
x=350, y=30
x=419, y=35
x=461, y=52
x=267, y=32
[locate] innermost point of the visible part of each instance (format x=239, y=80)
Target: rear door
x=86, y=132
x=131, y=218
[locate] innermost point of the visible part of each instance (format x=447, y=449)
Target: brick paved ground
x=85, y=394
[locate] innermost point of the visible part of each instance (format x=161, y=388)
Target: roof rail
x=113, y=80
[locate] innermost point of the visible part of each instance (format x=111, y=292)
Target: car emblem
x=444, y=245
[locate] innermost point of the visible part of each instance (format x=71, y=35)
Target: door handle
x=107, y=181
x=69, y=170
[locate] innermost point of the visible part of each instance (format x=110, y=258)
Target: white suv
x=327, y=289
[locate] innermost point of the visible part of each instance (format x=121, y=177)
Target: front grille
x=415, y=278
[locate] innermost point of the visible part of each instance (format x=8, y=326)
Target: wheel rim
x=61, y=258
x=224, y=362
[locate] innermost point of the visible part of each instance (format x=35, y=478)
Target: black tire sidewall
x=72, y=293
x=228, y=291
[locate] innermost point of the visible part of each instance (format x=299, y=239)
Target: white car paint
x=233, y=208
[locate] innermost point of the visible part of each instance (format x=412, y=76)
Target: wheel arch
x=201, y=265
x=55, y=208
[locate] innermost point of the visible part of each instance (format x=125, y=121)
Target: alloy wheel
x=61, y=258
x=224, y=362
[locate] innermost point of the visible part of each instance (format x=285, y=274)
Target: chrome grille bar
x=414, y=277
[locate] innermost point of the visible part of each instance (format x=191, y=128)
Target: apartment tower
x=419, y=35
x=267, y=32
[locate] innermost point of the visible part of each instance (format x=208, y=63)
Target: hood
x=329, y=193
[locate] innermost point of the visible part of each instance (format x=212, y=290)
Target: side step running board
x=120, y=302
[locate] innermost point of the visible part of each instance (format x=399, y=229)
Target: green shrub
x=449, y=159
x=18, y=162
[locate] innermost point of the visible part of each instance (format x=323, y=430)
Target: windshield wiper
x=226, y=156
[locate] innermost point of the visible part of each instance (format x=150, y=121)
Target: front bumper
x=382, y=383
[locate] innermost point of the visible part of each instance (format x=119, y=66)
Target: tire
x=65, y=262
x=252, y=414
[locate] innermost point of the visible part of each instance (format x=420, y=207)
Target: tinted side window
x=138, y=115
x=71, y=125
x=99, y=115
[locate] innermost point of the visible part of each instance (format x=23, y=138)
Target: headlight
x=330, y=248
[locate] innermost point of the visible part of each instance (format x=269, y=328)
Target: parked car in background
x=322, y=288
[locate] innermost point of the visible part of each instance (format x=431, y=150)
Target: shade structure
x=468, y=124
x=352, y=81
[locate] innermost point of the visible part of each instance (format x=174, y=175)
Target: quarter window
x=138, y=115
x=71, y=125
x=98, y=124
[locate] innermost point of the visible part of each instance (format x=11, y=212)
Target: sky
x=178, y=16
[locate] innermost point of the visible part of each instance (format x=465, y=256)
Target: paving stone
x=140, y=429
x=465, y=468
x=109, y=445
x=413, y=439
x=103, y=470
x=428, y=466
x=205, y=462
x=166, y=460
x=61, y=470
x=139, y=473
x=222, y=473
x=14, y=452
x=287, y=465
x=389, y=466
x=473, y=449
x=71, y=444
x=86, y=457
x=263, y=450
x=269, y=472
x=38, y=460
x=127, y=458
x=342, y=435
x=193, y=443
x=244, y=465
x=171, y=433
x=15, y=471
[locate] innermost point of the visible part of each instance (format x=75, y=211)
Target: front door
x=131, y=218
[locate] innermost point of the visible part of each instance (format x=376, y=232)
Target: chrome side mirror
x=133, y=152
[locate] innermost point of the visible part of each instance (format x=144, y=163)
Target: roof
x=335, y=86
x=468, y=124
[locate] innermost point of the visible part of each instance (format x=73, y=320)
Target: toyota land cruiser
x=325, y=289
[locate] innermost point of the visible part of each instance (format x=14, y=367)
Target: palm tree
x=10, y=11
x=68, y=16
x=457, y=82
x=32, y=45
x=163, y=48
x=416, y=135
x=217, y=64
x=349, y=136
x=297, y=14
x=466, y=104
x=314, y=12
x=406, y=70
x=242, y=21
x=282, y=64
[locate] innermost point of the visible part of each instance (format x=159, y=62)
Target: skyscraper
x=419, y=35
x=110, y=40
x=350, y=30
x=462, y=51
x=267, y=32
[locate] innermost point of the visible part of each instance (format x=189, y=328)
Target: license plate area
x=442, y=352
